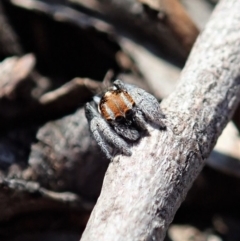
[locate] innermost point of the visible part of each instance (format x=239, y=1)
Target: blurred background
x=54, y=56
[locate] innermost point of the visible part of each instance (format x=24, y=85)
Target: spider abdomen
x=115, y=104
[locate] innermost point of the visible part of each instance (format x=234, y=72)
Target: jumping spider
x=123, y=112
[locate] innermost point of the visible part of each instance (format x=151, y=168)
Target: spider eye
x=119, y=118
x=128, y=113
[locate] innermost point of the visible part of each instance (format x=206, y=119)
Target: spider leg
x=103, y=145
x=126, y=131
x=103, y=133
x=150, y=107
x=138, y=118
x=112, y=138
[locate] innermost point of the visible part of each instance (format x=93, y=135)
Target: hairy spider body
x=124, y=111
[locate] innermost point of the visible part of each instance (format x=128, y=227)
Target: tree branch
x=142, y=193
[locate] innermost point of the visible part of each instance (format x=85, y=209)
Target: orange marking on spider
x=115, y=103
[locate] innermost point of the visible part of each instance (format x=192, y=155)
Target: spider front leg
x=149, y=106
x=126, y=131
x=145, y=102
x=139, y=118
x=103, y=133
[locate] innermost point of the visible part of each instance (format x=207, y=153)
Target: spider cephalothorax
x=124, y=111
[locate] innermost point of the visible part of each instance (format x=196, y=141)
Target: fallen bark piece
x=34, y=187
x=142, y=193
x=78, y=90
x=67, y=158
x=22, y=200
x=131, y=16
x=176, y=19
x=14, y=71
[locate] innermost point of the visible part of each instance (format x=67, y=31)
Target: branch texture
x=142, y=193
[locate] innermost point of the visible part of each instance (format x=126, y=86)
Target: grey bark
x=142, y=193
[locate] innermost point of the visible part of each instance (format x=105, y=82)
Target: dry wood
x=141, y=194
x=27, y=207
x=131, y=16
x=14, y=71
x=22, y=199
x=63, y=159
x=176, y=18
x=74, y=92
